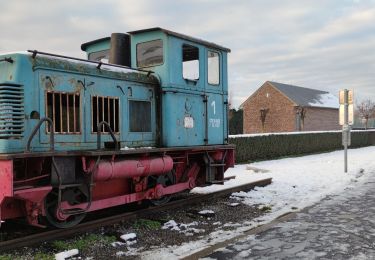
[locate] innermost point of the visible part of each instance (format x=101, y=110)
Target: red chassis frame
x=22, y=198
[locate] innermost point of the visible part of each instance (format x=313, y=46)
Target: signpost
x=346, y=119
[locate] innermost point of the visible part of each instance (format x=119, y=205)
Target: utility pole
x=346, y=130
x=346, y=119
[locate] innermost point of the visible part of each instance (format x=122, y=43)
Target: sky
x=322, y=44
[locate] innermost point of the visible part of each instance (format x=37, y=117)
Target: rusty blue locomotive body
x=142, y=118
x=175, y=95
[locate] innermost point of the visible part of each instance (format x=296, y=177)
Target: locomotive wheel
x=165, y=180
x=73, y=196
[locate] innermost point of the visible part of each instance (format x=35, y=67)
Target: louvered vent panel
x=11, y=112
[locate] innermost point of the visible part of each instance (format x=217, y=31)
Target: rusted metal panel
x=58, y=62
x=6, y=179
x=131, y=168
x=195, y=149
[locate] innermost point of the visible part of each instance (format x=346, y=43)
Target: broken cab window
x=190, y=62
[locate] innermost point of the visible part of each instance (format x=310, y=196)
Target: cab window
x=102, y=56
x=150, y=53
x=190, y=62
x=213, y=67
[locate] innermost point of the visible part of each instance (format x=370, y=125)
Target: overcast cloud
x=321, y=44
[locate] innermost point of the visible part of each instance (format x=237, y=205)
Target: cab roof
x=86, y=44
x=182, y=36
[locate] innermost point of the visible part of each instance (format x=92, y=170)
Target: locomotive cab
x=193, y=81
x=194, y=85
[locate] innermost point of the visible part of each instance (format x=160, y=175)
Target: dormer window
x=190, y=62
x=149, y=53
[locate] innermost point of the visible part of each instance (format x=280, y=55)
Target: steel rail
x=91, y=225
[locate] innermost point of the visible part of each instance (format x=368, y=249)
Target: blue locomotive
x=144, y=117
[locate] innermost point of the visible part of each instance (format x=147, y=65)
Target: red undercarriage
x=112, y=180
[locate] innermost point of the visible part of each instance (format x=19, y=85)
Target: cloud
x=320, y=44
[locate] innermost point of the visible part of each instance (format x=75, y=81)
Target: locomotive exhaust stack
x=119, y=52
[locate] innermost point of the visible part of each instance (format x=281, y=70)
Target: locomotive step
x=217, y=164
x=71, y=185
x=215, y=182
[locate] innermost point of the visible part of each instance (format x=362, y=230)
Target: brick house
x=277, y=107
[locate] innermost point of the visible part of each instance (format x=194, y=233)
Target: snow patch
x=117, y=244
x=129, y=236
x=230, y=224
x=325, y=100
x=130, y=239
x=206, y=212
x=120, y=253
x=171, y=224
x=186, y=229
x=125, y=148
x=66, y=254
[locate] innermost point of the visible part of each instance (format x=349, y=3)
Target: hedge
x=272, y=146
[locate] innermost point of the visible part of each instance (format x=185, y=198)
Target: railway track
x=50, y=235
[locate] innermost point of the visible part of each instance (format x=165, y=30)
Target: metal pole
x=345, y=130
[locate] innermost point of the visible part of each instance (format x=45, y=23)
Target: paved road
x=339, y=227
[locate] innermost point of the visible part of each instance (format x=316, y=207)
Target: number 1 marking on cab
x=214, y=106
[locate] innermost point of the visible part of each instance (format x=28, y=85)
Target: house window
x=190, y=62
x=263, y=115
x=105, y=109
x=64, y=110
x=150, y=53
x=213, y=67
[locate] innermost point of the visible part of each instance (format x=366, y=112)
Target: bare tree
x=366, y=110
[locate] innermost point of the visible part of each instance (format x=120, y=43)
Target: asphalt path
x=341, y=226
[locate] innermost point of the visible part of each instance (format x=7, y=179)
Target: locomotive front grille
x=12, y=116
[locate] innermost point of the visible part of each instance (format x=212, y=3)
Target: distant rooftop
x=307, y=97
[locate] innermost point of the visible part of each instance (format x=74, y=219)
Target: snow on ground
x=297, y=183
x=296, y=133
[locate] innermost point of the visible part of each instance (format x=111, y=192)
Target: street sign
x=342, y=97
x=350, y=114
